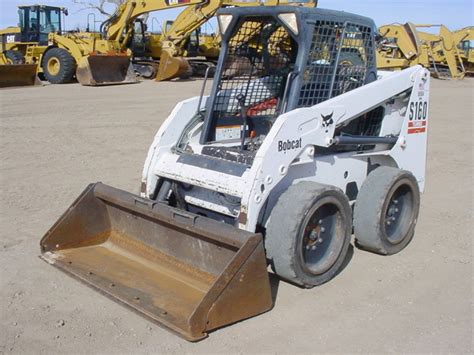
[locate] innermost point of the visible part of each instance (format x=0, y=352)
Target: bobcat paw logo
x=327, y=120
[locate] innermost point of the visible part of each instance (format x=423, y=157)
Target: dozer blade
x=172, y=67
x=186, y=272
x=18, y=75
x=105, y=69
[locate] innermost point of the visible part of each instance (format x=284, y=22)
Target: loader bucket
x=172, y=67
x=105, y=69
x=186, y=272
x=18, y=75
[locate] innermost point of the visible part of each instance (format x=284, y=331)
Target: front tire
x=386, y=211
x=14, y=57
x=308, y=234
x=58, y=66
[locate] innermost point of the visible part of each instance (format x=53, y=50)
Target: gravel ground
x=54, y=140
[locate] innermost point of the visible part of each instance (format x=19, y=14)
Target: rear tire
x=58, y=66
x=309, y=233
x=386, y=211
x=14, y=57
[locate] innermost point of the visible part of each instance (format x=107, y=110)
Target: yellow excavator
x=403, y=46
x=122, y=29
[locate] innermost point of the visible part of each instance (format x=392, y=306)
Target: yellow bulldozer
x=402, y=46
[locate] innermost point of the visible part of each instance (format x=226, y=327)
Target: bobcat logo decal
x=327, y=120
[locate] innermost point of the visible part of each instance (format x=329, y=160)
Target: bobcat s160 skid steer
x=299, y=144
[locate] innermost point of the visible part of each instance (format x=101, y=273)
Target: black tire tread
x=283, y=227
x=368, y=207
x=67, y=69
x=15, y=56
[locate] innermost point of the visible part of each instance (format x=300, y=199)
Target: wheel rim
x=398, y=214
x=53, y=66
x=322, y=238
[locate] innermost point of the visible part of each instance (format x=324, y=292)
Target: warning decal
x=416, y=127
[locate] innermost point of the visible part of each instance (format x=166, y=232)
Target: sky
x=455, y=14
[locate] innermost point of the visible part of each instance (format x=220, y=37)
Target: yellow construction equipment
x=403, y=46
x=110, y=50
x=200, y=50
x=443, y=53
x=104, y=58
x=463, y=39
x=21, y=47
x=173, y=45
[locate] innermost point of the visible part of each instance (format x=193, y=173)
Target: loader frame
x=256, y=186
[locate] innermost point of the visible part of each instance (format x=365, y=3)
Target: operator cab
x=37, y=21
x=283, y=59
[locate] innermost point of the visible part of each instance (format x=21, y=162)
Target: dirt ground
x=54, y=140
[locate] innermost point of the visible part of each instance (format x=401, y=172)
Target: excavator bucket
x=105, y=69
x=18, y=75
x=172, y=67
x=186, y=272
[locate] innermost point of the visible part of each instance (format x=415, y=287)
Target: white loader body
x=288, y=153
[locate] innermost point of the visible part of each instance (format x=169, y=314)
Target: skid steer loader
x=296, y=146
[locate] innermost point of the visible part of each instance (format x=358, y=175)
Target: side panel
x=315, y=126
x=166, y=138
x=410, y=152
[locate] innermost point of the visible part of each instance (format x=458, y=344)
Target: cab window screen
x=260, y=55
x=338, y=62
